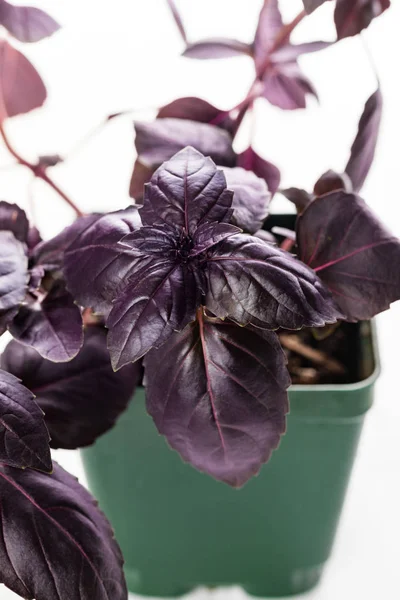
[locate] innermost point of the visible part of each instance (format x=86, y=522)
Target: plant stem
x=38, y=171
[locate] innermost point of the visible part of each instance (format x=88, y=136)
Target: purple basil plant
x=184, y=292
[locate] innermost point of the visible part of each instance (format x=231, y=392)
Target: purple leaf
x=21, y=88
x=364, y=146
x=13, y=218
x=332, y=182
x=160, y=297
x=251, y=161
x=218, y=394
x=210, y=234
x=269, y=25
x=311, y=5
x=53, y=327
x=291, y=52
x=191, y=108
x=352, y=16
x=13, y=271
x=26, y=23
x=24, y=439
x=286, y=87
x=178, y=20
x=300, y=198
x=251, y=198
x=252, y=282
x=55, y=542
x=141, y=174
x=217, y=48
x=51, y=252
x=187, y=191
x=95, y=264
x=159, y=140
x=82, y=398
x=355, y=256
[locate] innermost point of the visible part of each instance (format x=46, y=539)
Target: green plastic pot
x=179, y=528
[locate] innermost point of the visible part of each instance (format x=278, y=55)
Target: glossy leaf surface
x=218, y=394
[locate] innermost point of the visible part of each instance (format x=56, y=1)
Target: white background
x=124, y=54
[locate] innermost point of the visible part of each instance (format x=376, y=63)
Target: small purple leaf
x=364, y=146
x=26, y=23
x=270, y=23
x=55, y=542
x=160, y=297
x=82, y=398
x=159, y=140
x=141, y=174
x=24, y=439
x=95, y=264
x=210, y=234
x=13, y=271
x=13, y=218
x=21, y=88
x=251, y=198
x=190, y=108
x=53, y=327
x=178, y=19
x=361, y=266
x=251, y=161
x=311, y=5
x=286, y=87
x=217, y=48
x=332, y=182
x=352, y=16
x=300, y=198
x=218, y=394
x=187, y=191
x=291, y=52
x=252, y=282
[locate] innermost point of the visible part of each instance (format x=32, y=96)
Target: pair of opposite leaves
x=278, y=75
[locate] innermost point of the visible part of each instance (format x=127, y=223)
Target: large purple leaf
x=217, y=48
x=364, y=146
x=269, y=25
x=251, y=198
x=55, y=543
x=21, y=88
x=26, y=23
x=159, y=140
x=251, y=161
x=82, y=398
x=286, y=87
x=13, y=271
x=53, y=327
x=218, y=394
x=13, y=218
x=95, y=264
x=352, y=16
x=311, y=5
x=178, y=19
x=187, y=191
x=161, y=297
x=256, y=283
x=350, y=250
x=24, y=439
